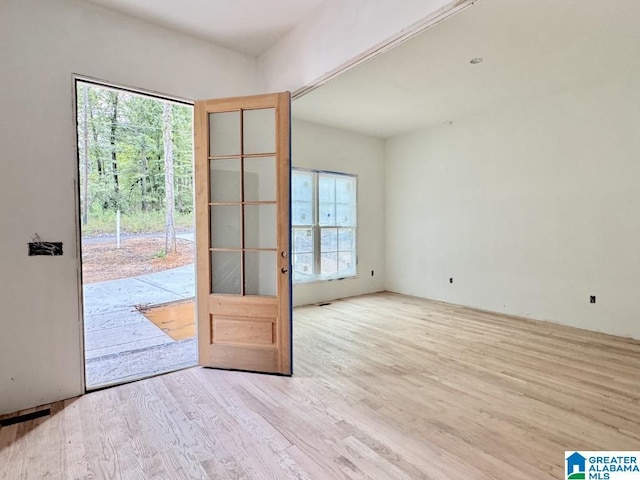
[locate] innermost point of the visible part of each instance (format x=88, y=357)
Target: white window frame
x=316, y=228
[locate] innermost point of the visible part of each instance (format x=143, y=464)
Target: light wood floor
x=385, y=387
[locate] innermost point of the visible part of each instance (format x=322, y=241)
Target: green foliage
x=103, y=222
x=126, y=158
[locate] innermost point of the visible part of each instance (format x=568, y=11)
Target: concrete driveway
x=120, y=343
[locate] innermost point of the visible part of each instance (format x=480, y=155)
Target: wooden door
x=243, y=229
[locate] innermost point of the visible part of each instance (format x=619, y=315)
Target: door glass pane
x=259, y=134
x=260, y=179
x=225, y=272
x=225, y=180
x=260, y=226
x=260, y=273
x=225, y=226
x=224, y=133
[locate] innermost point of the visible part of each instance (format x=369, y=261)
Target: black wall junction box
x=45, y=248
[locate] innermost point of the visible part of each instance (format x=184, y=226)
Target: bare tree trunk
x=94, y=130
x=167, y=136
x=85, y=132
x=143, y=182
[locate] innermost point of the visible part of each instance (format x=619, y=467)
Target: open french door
x=242, y=170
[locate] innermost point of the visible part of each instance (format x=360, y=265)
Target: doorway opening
x=135, y=163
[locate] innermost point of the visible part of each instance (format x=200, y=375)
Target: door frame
x=75, y=78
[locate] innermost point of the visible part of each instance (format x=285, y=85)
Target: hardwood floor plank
x=8, y=441
x=384, y=387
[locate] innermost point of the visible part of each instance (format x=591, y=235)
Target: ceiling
x=247, y=26
x=530, y=49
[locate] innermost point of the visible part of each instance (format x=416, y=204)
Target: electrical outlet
x=592, y=299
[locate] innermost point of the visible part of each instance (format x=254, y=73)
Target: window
x=323, y=219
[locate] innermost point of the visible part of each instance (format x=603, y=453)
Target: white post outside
x=118, y=229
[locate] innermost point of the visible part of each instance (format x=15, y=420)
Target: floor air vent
x=25, y=418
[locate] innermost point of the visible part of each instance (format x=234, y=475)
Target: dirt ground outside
x=102, y=261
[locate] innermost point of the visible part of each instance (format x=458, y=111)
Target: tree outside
x=136, y=157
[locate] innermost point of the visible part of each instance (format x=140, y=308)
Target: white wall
x=530, y=209
x=337, y=33
x=43, y=43
x=324, y=148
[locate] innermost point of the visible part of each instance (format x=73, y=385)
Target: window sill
x=322, y=280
